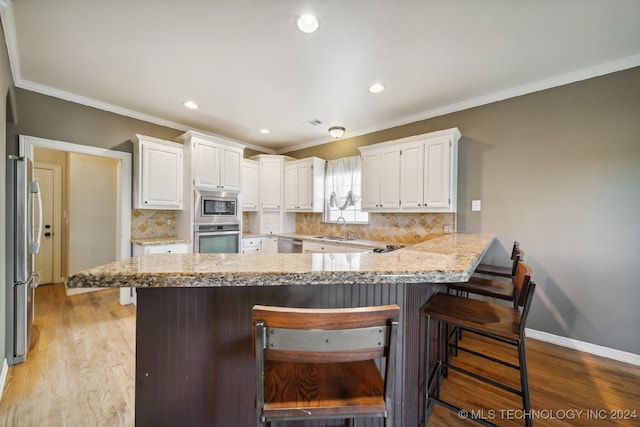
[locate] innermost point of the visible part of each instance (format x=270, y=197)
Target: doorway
x=122, y=208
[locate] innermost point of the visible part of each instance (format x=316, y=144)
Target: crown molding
x=556, y=81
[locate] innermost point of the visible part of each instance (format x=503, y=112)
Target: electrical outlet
x=476, y=205
x=169, y=222
x=150, y=223
x=447, y=228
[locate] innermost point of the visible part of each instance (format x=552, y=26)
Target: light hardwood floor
x=81, y=373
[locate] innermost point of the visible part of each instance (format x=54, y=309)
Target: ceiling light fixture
x=336, y=131
x=265, y=131
x=376, y=88
x=307, y=23
x=191, y=105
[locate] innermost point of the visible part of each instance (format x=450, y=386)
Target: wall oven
x=216, y=207
x=217, y=239
x=216, y=222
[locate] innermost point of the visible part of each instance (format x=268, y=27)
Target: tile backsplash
x=391, y=227
x=147, y=223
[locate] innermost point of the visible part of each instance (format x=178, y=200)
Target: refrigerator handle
x=34, y=247
x=36, y=278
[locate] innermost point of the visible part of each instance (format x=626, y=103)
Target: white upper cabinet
x=271, y=171
x=304, y=185
x=411, y=168
x=250, y=185
x=439, y=172
x=215, y=164
x=380, y=178
x=422, y=178
x=157, y=174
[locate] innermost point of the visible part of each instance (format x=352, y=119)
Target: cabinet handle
x=146, y=201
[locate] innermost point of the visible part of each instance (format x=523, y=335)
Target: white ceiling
x=248, y=67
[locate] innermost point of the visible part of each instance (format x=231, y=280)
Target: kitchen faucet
x=344, y=226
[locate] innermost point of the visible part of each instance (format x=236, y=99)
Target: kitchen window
x=343, y=190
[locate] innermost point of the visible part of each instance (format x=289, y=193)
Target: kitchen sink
x=334, y=238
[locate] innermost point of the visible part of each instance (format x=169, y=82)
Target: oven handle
x=216, y=233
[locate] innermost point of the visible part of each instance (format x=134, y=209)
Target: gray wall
x=5, y=86
x=558, y=170
x=52, y=118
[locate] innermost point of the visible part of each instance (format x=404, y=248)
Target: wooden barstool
x=499, y=270
x=494, y=321
x=490, y=287
x=321, y=363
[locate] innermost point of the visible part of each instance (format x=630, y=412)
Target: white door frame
x=123, y=238
x=57, y=213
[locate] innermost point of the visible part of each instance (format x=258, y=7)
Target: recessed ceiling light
x=190, y=104
x=264, y=131
x=376, y=88
x=308, y=23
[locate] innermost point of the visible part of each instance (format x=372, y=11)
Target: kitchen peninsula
x=194, y=359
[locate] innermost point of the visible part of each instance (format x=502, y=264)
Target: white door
x=47, y=261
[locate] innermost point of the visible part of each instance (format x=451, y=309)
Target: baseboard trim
x=598, y=350
x=3, y=376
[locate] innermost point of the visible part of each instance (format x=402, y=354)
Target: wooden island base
x=194, y=358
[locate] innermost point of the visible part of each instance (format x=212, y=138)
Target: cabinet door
x=161, y=180
x=169, y=248
x=250, y=185
x=371, y=180
x=411, y=175
x=270, y=245
x=172, y=248
x=271, y=183
x=437, y=181
x=231, y=160
x=305, y=186
x=207, y=165
x=390, y=178
x=291, y=186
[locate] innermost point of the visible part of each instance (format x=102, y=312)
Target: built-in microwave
x=216, y=207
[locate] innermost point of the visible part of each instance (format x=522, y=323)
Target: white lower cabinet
x=251, y=245
x=164, y=248
x=270, y=245
x=316, y=247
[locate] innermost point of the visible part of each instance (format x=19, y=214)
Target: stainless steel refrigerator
x=23, y=242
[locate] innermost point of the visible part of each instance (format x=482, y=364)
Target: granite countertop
x=449, y=258
x=151, y=241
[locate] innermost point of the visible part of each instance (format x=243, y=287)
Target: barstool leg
x=427, y=348
x=524, y=382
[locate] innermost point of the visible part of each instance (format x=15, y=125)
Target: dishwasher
x=287, y=245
